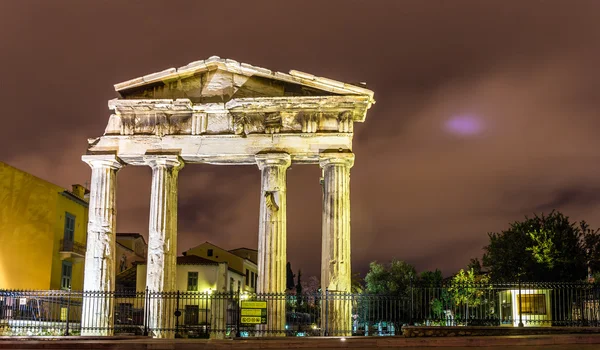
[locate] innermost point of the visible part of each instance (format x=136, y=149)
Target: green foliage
x=542, y=248
x=299, y=297
x=299, y=283
x=431, y=278
x=475, y=265
x=289, y=277
x=393, y=279
x=357, y=286
x=467, y=288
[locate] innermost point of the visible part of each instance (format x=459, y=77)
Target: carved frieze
x=309, y=122
x=248, y=123
x=272, y=123
x=199, y=123
x=345, y=122
x=270, y=201
x=179, y=118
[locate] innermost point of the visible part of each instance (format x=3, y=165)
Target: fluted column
x=272, y=236
x=336, y=272
x=99, y=276
x=162, y=243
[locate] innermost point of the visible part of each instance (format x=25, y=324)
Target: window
x=230, y=283
x=247, y=277
x=191, y=314
x=252, y=280
x=67, y=270
x=69, y=227
x=192, y=281
x=209, y=252
x=239, y=283
x=532, y=304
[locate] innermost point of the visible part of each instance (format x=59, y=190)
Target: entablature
x=220, y=149
x=244, y=116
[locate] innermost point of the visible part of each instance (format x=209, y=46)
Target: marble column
x=336, y=272
x=97, y=317
x=162, y=244
x=272, y=237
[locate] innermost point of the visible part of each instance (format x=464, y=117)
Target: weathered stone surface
x=99, y=275
x=272, y=233
x=162, y=240
x=335, y=257
x=216, y=75
x=222, y=149
x=220, y=111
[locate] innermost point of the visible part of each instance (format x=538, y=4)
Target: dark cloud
x=526, y=70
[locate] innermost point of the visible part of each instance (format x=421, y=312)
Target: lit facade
x=533, y=308
x=196, y=274
x=241, y=259
x=43, y=232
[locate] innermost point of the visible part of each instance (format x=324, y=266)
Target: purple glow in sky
x=464, y=125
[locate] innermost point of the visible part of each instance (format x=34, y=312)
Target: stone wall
x=414, y=331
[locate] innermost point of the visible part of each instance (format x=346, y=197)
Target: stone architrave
x=272, y=236
x=336, y=274
x=162, y=244
x=99, y=278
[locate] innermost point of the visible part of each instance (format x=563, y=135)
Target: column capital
x=337, y=158
x=273, y=159
x=103, y=161
x=163, y=160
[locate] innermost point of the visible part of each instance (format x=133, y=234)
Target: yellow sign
x=254, y=304
x=250, y=320
x=252, y=312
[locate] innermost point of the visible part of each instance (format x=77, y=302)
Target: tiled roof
x=294, y=76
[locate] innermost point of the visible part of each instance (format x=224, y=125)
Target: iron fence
x=220, y=315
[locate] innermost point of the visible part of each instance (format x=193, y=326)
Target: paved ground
x=550, y=342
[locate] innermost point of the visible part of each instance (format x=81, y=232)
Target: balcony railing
x=72, y=247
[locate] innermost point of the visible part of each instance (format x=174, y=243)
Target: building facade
x=43, y=232
x=196, y=274
x=241, y=259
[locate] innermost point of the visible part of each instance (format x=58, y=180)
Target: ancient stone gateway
x=218, y=111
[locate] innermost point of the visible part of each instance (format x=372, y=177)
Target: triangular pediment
x=220, y=80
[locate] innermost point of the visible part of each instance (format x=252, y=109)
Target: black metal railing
x=327, y=313
x=72, y=246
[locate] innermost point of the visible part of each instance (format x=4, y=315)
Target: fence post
x=237, y=323
x=68, y=311
x=411, y=322
x=326, y=333
x=177, y=314
x=520, y=309
x=146, y=306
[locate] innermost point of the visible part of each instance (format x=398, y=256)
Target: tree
x=468, y=289
x=299, y=297
x=475, y=265
x=393, y=279
x=299, y=284
x=356, y=284
x=591, y=244
x=431, y=278
x=289, y=277
x=549, y=248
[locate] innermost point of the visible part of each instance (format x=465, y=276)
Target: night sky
x=486, y=111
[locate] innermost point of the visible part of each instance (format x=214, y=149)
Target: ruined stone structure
x=218, y=111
